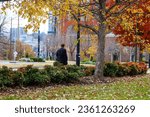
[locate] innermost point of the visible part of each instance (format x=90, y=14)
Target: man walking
x=61, y=55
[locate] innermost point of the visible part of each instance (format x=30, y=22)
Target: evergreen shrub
x=30, y=76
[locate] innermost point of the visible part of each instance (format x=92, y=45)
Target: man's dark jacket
x=61, y=56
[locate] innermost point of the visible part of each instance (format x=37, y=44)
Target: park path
x=148, y=71
x=24, y=64
x=36, y=64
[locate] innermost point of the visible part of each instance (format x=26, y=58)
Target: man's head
x=62, y=45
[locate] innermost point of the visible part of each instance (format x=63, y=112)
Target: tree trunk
x=71, y=56
x=100, y=52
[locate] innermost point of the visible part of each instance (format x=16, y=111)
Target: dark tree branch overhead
x=112, y=7
x=119, y=2
x=85, y=25
x=99, y=11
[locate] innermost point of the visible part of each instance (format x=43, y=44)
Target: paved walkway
x=148, y=71
x=35, y=64
x=24, y=64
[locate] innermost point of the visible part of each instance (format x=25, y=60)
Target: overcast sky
x=23, y=22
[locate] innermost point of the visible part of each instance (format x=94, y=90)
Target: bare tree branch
x=85, y=25
x=128, y=5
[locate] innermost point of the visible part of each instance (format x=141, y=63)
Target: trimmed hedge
x=119, y=70
x=37, y=59
x=110, y=69
x=29, y=76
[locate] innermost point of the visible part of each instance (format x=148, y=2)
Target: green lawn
x=135, y=90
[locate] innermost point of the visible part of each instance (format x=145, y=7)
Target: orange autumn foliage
x=139, y=34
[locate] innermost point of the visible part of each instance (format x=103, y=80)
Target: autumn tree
x=52, y=44
x=4, y=41
x=4, y=47
x=93, y=47
x=71, y=45
x=103, y=16
x=137, y=33
x=24, y=50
